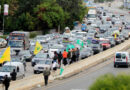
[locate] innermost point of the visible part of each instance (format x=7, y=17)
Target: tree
x=75, y=11
x=111, y=82
x=49, y=15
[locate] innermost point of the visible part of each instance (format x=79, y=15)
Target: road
x=82, y=81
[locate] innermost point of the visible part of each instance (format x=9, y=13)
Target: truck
x=19, y=40
x=92, y=15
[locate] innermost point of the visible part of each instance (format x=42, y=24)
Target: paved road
x=83, y=80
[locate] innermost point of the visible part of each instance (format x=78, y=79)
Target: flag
x=61, y=70
x=6, y=7
x=115, y=36
x=38, y=48
x=6, y=56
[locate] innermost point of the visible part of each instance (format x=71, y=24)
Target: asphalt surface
x=84, y=80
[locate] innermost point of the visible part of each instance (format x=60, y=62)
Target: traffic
x=100, y=30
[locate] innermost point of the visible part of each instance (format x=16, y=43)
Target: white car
x=3, y=42
x=41, y=65
x=41, y=39
x=8, y=67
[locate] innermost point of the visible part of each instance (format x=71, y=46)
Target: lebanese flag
x=6, y=9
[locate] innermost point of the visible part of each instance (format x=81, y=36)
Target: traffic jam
x=100, y=30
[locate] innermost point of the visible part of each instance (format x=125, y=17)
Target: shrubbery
x=111, y=82
x=33, y=34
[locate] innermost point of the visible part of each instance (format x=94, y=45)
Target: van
x=8, y=67
x=121, y=58
x=19, y=40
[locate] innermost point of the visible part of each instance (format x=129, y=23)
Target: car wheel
x=35, y=72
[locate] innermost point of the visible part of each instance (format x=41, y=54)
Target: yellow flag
x=115, y=35
x=6, y=56
x=38, y=48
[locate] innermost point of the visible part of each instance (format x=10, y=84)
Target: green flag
x=61, y=70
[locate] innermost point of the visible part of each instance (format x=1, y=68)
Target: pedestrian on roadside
x=59, y=58
x=69, y=56
x=64, y=55
x=46, y=74
x=74, y=58
x=77, y=54
x=6, y=82
x=13, y=75
x=55, y=56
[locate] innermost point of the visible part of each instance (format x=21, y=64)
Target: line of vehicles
x=99, y=31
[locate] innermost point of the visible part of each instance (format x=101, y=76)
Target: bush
x=111, y=82
x=33, y=34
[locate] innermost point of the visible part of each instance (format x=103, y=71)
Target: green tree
x=74, y=9
x=111, y=82
x=49, y=15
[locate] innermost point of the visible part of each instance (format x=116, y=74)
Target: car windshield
x=7, y=68
x=103, y=41
x=41, y=55
x=40, y=61
x=48, y=62
x=95, y=45
x=56, y=47
x=41, y=38
x=16, y=43
x=91, y=16
x=118, y=55
x=1, y=40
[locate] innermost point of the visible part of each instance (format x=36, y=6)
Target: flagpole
x=3, y=24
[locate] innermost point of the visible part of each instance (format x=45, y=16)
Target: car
x=41, y=65
x=26, y=55
x=112, y=41
x=122, y=37
x=117, y=40
x=97, y=48
x=41, y=39
x=3, y=43
x=39, y=56
x=32, y=42
x=8, y=68
x=105, y=44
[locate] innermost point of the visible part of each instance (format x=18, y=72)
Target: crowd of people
x=65, y=57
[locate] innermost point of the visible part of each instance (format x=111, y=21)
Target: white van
x=121, y=58
x=8, y=67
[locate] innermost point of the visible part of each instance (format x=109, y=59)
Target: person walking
x=59, y=58
x=6, y=82
x=74, y=58
x=69, y=56
x=13, y=75
x=64, y=55
x=46, y=74
x=55, y=56
x=77, y=54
